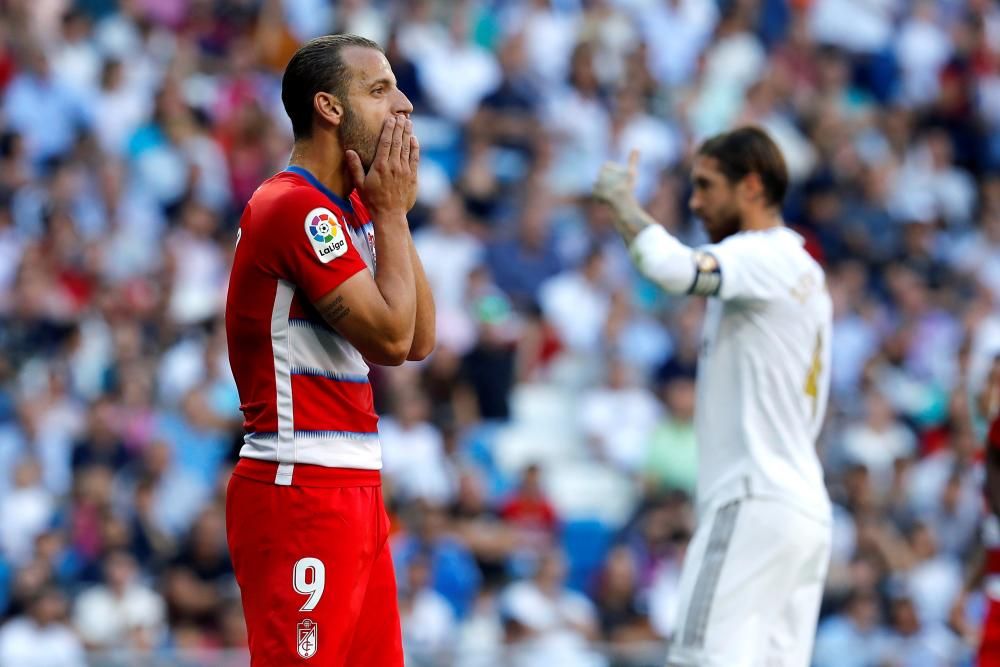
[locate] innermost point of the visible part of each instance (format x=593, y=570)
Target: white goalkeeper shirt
x=764, y=368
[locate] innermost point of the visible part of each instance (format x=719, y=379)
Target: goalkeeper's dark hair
x=749, y=150
x=318, y=66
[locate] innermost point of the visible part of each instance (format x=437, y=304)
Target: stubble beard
x=356, y=137
x=728, y=224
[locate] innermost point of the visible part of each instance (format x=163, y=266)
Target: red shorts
x=313, y=565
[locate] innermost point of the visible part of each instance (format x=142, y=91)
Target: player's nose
x=403, y=104
x=694, y=203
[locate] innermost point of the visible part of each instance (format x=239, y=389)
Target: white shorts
x=750, y=587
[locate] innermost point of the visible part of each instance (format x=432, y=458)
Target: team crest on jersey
x=307, y=638
x=325, y=234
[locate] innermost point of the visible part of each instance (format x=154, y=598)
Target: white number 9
x=313, y=588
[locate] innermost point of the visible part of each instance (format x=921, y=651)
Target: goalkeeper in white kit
x=753, y=577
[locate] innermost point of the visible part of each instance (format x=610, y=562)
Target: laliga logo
x=332, y=248
x=325, y=233
x=321, y=229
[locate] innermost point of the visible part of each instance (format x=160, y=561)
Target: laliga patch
x=325, y=234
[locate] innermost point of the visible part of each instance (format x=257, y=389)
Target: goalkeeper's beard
x=356, y=137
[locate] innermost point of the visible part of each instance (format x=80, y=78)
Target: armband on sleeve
x=707, y=274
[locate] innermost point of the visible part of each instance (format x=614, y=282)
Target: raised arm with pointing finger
x=762, y=543
x=675, y=267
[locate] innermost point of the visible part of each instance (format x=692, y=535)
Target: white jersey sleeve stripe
x=332, y=375
x=281, y=346
x=321, y=348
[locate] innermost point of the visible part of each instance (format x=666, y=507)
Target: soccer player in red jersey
x=984, y=569
x=308, y=306
x=989, y=647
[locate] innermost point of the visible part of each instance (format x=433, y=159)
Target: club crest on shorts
x=325, y=234
x=306, y=638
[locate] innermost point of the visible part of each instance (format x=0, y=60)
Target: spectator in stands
x=486, y=373
x=453, y=569
x=199, y=577
x=617, y=597
x=25, y=512
x=917, y=643
x=101, y=443
x=577, y=303
x=934, y=580
x=41, y=637
x=530, y=513
x=618, y=418
x=878, y=441
x=112, y=614
x=478, y=524
x=428, y=618
x=546, y=623
x=413, y=452
x=672, y=457
x=522, y=262
x=854, y=636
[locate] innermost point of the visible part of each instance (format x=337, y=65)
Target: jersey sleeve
x=748, y=267
x=310, y=246
x=361, y=211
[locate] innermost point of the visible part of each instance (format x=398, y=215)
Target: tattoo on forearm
x=336, y=311
x=629, y=222
x=636, y=221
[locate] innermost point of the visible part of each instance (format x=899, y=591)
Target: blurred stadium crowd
x=540, y=464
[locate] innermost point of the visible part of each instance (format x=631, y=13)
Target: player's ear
x=328, y=107
x=751, y=188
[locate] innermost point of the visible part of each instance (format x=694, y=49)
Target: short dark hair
x=318, y=66
x=749, y=150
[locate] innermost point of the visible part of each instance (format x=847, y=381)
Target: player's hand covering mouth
x=391, y=183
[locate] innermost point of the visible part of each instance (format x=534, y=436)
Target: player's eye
x=378, y=91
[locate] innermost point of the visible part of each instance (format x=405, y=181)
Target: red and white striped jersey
x=303, y=388
x=991, y=528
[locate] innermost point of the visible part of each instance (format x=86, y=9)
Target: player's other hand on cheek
x=390, y=186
